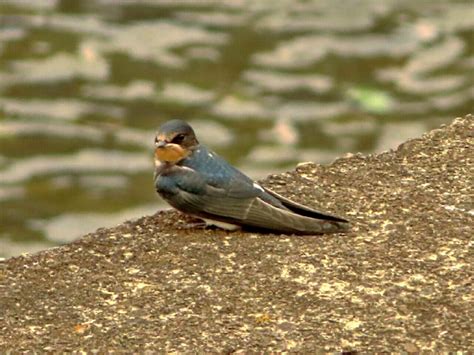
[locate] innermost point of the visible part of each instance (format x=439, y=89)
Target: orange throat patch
x=171, y=153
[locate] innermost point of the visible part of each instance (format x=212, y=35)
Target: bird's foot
x=198, y=224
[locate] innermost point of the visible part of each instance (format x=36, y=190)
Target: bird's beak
x=160, y=144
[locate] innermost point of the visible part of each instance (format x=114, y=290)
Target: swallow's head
x=174, y=141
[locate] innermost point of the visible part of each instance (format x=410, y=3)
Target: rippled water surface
x=267, y=84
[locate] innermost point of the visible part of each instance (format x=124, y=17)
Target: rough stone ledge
x=401, y=279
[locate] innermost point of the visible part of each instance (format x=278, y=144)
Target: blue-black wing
x=221, y=193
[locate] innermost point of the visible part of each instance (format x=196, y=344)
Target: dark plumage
x=198, y=182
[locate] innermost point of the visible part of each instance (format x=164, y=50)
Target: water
x=85, y=84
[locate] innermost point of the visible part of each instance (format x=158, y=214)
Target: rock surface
x=401, y=279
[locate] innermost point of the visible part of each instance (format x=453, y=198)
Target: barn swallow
x=196, y=181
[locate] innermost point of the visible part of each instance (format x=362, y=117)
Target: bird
x=198, y=182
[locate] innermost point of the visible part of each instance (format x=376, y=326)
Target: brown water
x=267, y=84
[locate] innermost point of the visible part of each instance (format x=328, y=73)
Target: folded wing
x=304, y=210
x=255, y=212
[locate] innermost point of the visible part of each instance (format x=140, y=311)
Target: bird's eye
x=178, y=139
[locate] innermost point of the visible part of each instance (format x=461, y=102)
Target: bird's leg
x=195, y=223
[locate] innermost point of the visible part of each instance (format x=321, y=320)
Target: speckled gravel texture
x=400, y=280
